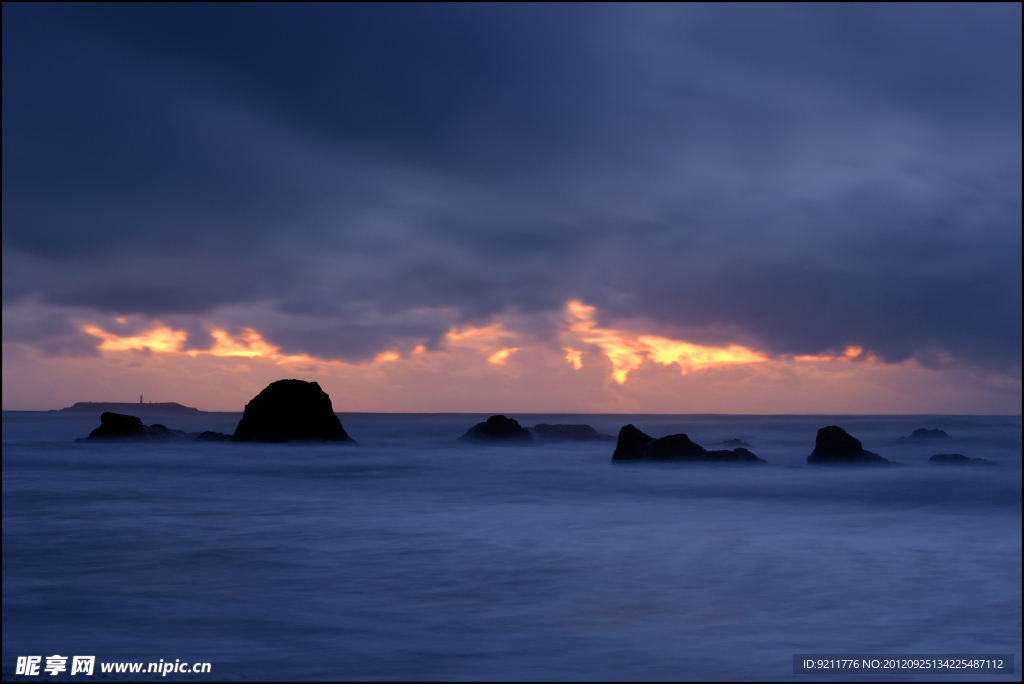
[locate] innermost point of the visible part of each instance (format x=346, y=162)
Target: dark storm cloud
x=805, y=177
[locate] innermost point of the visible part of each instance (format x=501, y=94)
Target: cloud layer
x=354, y=180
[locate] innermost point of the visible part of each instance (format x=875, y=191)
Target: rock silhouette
x=289, y=410
x=631, y=444
x=565, y=433
x=834, y=446
x=117, y=427
x=497, y=429
x=113, y=425
x=923, y=434
x=634, y=445
x=735, y=443
x=958, y=460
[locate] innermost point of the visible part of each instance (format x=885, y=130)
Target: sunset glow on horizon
x=624, y=350
x=505, y=365
x=472, y=350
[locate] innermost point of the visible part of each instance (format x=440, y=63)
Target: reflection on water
x=413, y=556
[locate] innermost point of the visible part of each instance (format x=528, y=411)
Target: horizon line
x=571, y=413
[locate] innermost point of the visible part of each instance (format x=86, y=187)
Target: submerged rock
x=170, y=434
x=564, y=433
x=735, y=443
x=735, y=455
x=634, y=445
x=923, y=434
x=497, y=429
x=290, y=410
x=117, y=427
x=958, y=459
x=834, y=446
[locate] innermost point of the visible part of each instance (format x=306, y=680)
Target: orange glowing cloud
x=623, y=353
x=158, y=339
x=492, y=340
x=499, y=357
x=249, y=344
x=851, y=353
x=470, y=336
x=695, y=357
x=627, y=352
x=161, y=339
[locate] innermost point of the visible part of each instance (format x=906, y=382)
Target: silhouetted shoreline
x=117, y=407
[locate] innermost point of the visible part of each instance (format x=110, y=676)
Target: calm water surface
x=413, y=556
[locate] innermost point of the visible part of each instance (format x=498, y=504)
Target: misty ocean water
x=414, y=556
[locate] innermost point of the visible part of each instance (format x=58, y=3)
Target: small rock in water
x=835, y=446
x=924, y=434
x=634, y=445
x=958, y=459
x=117, y=427
x=497, y=429
x=735, y=443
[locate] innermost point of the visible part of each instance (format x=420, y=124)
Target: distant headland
x=121, y=407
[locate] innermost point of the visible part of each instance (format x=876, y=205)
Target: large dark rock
x=117, y=427
x=958, y=459
x=497, y=429
x=564, y=433
x=634, y=445
x=631, y=444
x=834, y=446
x=923, y=435
x=290, y=410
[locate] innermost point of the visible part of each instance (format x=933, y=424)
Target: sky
x=515, y=208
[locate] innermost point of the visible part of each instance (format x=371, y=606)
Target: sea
x=415, y=556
